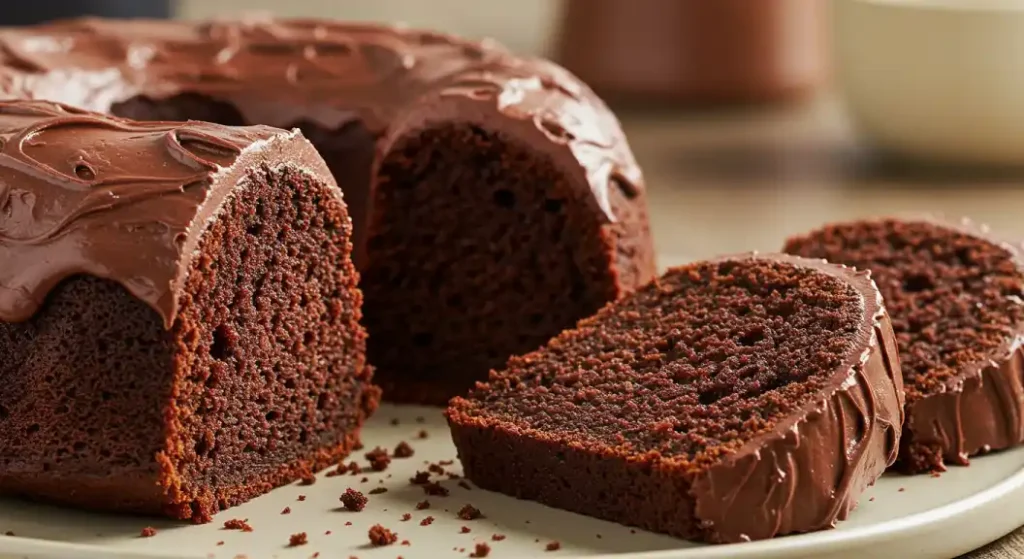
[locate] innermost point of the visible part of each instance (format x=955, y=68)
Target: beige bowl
x=936, y=80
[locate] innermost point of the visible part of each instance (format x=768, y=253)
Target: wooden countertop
x=726, y=182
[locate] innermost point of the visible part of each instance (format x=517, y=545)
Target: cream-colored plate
x=917, y=517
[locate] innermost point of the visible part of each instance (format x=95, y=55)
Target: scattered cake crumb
x=340, y=469
x=632, y=531
x=422, y=434
x=315, y=554
x=296, y=540
x=395, y=421
x=148, y=532
x=553, y=546
x=302, y=498
x=238, y=524
x=445, y=462
x=380, y=535
x=599, y=536
x=327, y=533
x=902, y=489
x=435, y=468
x=220, y=542
x=349, y=523
x=353, y=468
x=498, y=537
x=869, y=500
x=403, y=450
x=406, y=517
x=353, y=500
x=378, y=490
x=379, y=459
x=358, y=446
x=286, y=510
x=464, y=530
x=421, y=478
x=423, y=505
x=465, y=485
x=469, y=512
x=405, y=542
x=435, y=489
x=8, y=533
x=427, y=521
x=482, y=550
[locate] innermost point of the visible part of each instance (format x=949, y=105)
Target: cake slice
x=956, y=296
x=741, y=398
x=179, y=317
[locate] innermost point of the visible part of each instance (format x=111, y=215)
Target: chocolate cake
x=741, y=398
x=506, y=203
x=179, y=317
x=956, y=295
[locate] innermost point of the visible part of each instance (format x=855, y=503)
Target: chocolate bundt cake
x=741, y=398
x=956, y=296
x=179, y=317
x=505, y=202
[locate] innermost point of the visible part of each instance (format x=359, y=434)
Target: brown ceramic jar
x=704, y=51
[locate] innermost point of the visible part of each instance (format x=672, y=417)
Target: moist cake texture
x=956, y=297
x=741, y=398
x=494, y=198
x=179, y=317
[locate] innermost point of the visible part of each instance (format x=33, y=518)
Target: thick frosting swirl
x=87, y=193
x=281, y=73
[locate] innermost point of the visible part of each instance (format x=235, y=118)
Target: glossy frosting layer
x=811, y=470
x=84, y=193
x=281, y=73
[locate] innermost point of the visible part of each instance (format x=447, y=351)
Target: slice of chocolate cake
x=742, y=398
x=179, y=317
x=956, y=296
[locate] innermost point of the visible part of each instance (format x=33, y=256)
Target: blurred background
x=754, y=119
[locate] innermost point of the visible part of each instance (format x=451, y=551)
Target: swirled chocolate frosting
x=85, y=193
x=277, y=73
x=281, y=72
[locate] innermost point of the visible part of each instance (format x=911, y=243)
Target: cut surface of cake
x=494, y=198
x=740, y=398
x=179, y=317
x=956, y=297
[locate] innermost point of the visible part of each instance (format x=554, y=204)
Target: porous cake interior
x=478, y=250
x=266, y=356
x=691, y=366
x=954, y=298
x=273, y=372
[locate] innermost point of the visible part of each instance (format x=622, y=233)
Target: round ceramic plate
x=920, y=516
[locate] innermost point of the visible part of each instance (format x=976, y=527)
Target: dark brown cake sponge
x=741, y=398
x=956, y=296
x=206, y=348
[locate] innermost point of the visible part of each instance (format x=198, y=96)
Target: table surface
x=732, y=181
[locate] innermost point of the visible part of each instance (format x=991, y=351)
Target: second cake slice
x=741, y=398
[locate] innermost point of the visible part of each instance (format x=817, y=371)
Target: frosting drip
x=86, y=193
x=809, y=472
x=282, y=73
